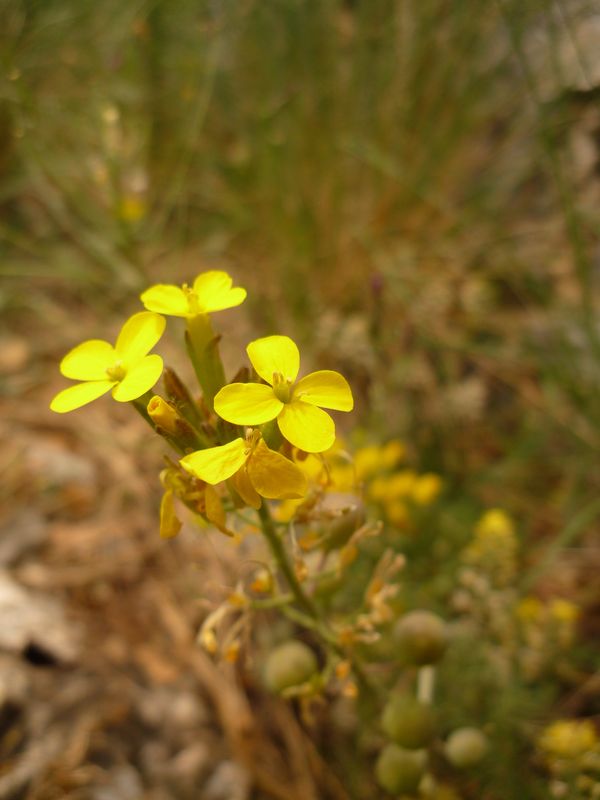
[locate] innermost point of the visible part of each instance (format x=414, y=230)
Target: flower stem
x=426, y=684
x=278, y=551
x=203, y=350
x=309, y=617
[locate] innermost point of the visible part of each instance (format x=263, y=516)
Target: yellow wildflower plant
x=256, y=470
x=564, y=611
x=568, y=738
x=297, y=405
x=392, y=453
x=211, y=291
x=367, y=460
x=496, y=524
x=426, y=488
x=126, y=367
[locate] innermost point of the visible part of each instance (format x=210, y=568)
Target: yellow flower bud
x=163, y=414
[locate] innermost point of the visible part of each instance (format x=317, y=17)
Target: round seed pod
x=410, y=723
x=399, y=771
x=290, y=664
x=466, y=747
x=421, y=637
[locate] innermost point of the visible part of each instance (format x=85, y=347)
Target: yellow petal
x=306, y=426
x=216, y=464
x=274, y=476
x=214, y=510
x=244, y=488
x=325, y=388
x=166, y=299
x=79, y=395
x=139, y=335
x=247, y=403
x=170, y=525
x=88, y=361
x=214, y=291
x=139, y=379
x=274, y=354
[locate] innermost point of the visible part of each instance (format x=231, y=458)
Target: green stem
x=309, y=617
x=426, y=684
x=271, y=434
x=203, y=350
x=141, y=406
x=278, y=551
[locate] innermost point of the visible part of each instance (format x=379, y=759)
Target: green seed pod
x=290, y=664
x=399, y=771
x=341, y=528
x=422, y=637
x=410, y=723
x=465, y=747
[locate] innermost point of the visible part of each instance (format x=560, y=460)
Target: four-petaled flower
x=126, y=368
x=211, y=291
x=255, y=469
x=297, y=405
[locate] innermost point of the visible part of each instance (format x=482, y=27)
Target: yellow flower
x=564, y=611
x=530, y=609
x=495, y=523
x=397, y=513
x=568, y=738
x=256, y=470
x=392, y=452
x=342, y=477
x=367, y=460
x=378, y=488
x=212, y=291
x=297, y=405
x=400, y=484
x=426, y=488
x=126, y=368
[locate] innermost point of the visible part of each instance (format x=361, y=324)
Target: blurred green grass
x=410, y=186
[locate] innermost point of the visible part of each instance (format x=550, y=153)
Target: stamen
x=282, y=387
x=117, y=372
x=192, y=298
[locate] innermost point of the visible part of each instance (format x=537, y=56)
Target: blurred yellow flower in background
x=568, y=739
x=494, y=547
x=426, y=488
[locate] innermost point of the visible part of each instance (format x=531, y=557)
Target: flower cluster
x=243, y=434
x=570, y=750
x=494, y=547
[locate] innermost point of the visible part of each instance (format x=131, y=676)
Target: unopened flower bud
x=399, y=771
x=290, y=664
x=163, y=415
x=175, y=428
x=422, y=637
x=466, y=747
